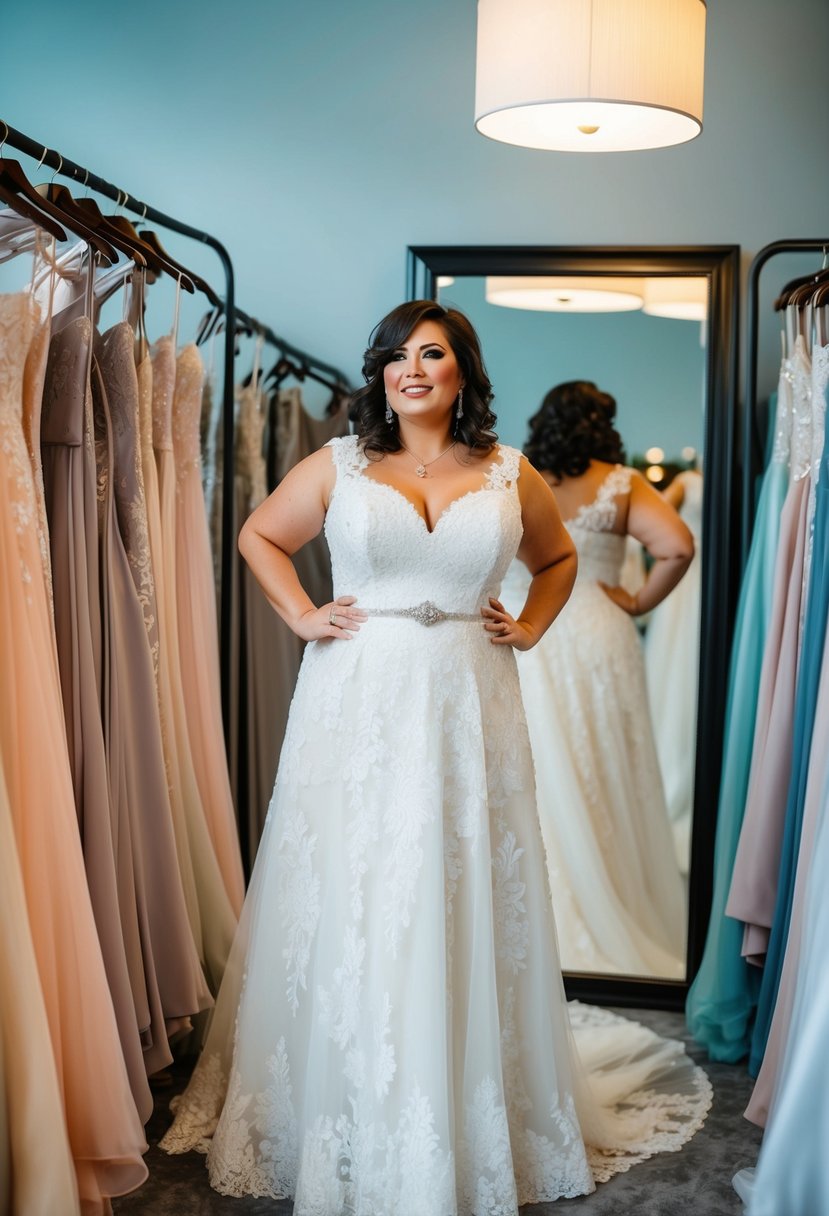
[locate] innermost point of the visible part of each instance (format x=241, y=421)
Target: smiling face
x=423, y=378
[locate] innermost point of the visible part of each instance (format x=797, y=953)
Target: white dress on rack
x=391, y=1036
x=617, y=892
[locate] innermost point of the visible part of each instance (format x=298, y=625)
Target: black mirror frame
x=720, y=537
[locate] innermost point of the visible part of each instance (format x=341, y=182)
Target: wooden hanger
x=151, y=239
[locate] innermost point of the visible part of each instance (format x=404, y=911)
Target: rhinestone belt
x=426, y=613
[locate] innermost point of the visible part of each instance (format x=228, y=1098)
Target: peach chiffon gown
x=212, y=914
x=198, y=627
x=36, y=1171
x=105, y=1134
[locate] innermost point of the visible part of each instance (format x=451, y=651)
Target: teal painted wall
x=654, y=367
x=319, y=138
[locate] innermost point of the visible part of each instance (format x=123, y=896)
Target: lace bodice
x=601, y=551
x=383, y=553
x=187, y=402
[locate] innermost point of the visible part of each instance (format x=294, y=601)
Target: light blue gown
x=722, y=999
x=792, y=1178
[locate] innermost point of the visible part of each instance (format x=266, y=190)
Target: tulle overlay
x=391, y=1033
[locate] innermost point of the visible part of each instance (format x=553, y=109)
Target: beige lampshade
x=590, y=75
x=685, y=299
x=554, y=293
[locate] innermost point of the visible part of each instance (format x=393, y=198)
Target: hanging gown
x=198, y=630
x=792, y=1178
x=36, y=1174
x=672, y=670
x=617, y=890
x=269, y=652
x=723, y=996
x=105, y=1133
x=811, y=747
x=753, y=892
x=72, y=511
x=392, y=1035
x=211, y=915
x=167, y=982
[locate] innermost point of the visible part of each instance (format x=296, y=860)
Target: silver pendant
x=420, y=471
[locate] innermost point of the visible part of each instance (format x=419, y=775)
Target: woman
x=391, y=1035
x=617, y=891
x=671, y=670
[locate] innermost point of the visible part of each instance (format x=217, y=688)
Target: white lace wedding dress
x=391, y=1037
x=618, y=894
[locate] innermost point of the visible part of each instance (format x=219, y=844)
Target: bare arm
x=654, y=523
x=291, y=516
x=675, y=493
x=550, y=556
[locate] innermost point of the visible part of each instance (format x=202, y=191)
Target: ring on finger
x=332, y=615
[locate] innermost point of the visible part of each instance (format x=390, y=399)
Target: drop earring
x=389, y=414
x=459, y=410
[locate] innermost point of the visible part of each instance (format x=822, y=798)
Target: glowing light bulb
x=654, y=455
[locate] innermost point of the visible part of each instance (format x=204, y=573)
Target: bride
x=391, y=1035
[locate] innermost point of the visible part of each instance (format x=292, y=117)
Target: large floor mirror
x=657, y=329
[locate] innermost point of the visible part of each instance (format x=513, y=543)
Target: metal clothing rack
x=69, y=168
x=753, y=446
x=340, y=381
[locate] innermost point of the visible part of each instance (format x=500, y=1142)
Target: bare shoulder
x=316, y=473
x=531, y=483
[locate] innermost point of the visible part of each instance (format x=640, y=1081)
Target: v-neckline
x=485, y=485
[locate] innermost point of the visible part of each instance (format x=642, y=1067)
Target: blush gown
x=392, y=1035
x=105, y=1134
x=198, y=630
x=617, y=890
x=32, y=1125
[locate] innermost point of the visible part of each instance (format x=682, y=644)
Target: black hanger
x=807, y=280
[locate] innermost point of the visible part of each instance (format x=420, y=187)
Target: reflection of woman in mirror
x=672, y=666
x=617, y=891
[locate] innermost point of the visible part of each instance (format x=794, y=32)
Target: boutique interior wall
x=318, y=139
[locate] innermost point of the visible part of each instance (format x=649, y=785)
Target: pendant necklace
x=423, y=465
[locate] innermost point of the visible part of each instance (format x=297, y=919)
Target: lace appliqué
x=600, y=514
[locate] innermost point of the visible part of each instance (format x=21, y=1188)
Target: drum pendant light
x=590, y=75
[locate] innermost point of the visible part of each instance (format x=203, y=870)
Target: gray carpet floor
x=693, y=1182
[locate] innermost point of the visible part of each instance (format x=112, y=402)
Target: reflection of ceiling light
x=685, y=298
x=445, y=280
x=590, y=75
x=654, y=455
x=548, y=293
x=655, y=472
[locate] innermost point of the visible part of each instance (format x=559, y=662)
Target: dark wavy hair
x=368, y=405
x=574, y=426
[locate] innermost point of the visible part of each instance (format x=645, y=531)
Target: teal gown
x=723, y=996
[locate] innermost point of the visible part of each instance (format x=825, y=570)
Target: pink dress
x=105, y=1134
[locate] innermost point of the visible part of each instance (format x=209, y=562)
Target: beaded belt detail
x=426, y=613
